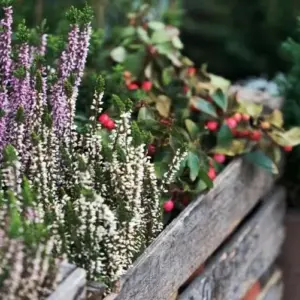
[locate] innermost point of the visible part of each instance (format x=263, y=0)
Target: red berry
x=110, y=124
x=103, y=118
x=212, y=173
x=168, y=205
x=231, y=123
x=237, y=117
x=245, y=117
x=210, y=99
x=220, y=158
x=132, y=86
x=288, y=148
x=147, y=85
x=185, y=89
x=165, y=122
x=255, y=135
x=151, y=149
x=185, y=200
x=212, y=125
x=191, y=71
x=235, y=132
x=244, y=133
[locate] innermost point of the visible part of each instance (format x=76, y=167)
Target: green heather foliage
x=27, y=267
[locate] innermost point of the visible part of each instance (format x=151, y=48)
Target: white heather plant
x=28, y=270
x=96, y=190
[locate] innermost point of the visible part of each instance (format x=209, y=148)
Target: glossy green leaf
x=287, y=138
x=155, y=25
x=160, y=169
x=220, y=99
x=192, y=128
x=134, y=62
x=194, y=165
x=205, y=107
x=128, y=31
x=143, y=35
x=201, y=186
x=204, y=177
x=236, y=147
x=167, y=76
x=165, y=48
x=225, y=136
x=145, y=113
x=118, y=54
x=261, y=159
x=177, y=42
x=159, y=37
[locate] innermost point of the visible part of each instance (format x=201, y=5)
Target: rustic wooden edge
x=273, y=289
x=72, y=285
x=96, y=290
x=289, y=259
x=198, y=231
x=245, y=258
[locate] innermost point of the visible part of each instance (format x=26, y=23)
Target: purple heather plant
x=96, y=191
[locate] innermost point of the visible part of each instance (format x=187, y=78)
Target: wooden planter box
x=290, y=257
x=229, y=230
x=72, y=285
x=225, y=230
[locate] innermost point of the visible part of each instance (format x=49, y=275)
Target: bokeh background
x=237, y=38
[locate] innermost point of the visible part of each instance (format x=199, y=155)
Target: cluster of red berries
x=133, y=85
x=106, y=121
x=146, y=86
x=169, y=205
x=232, y=123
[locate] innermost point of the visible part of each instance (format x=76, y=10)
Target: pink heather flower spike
x=5, y=44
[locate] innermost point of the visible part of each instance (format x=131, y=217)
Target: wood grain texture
x=198, y=231
x=245, y=258
x=72, y=286
x=290, y=259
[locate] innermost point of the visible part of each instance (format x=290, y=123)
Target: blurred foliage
x=238, y=38
x=221, y=33
x=290, y=88
x=183, y=105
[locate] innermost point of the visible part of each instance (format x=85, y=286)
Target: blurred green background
x=237, y=38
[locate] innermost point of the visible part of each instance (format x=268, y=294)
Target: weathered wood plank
x=65, y=270
x=273, y=290
x=290, y=259
x=72, y=287
x=191, y=238
x=244, y=259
